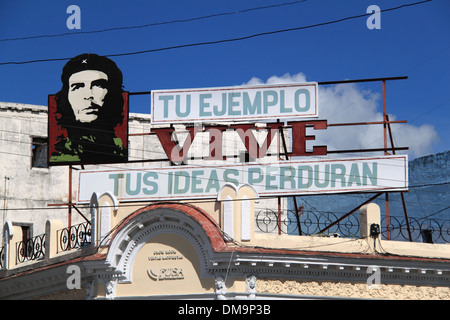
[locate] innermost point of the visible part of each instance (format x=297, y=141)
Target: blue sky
x=413, y=41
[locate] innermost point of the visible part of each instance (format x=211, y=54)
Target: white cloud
x=419, y=139
x=287, y=78
x=344, y=103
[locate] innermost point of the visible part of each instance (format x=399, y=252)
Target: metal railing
x=311, y=223
x=422, y=230
x=2, y=257
x=31, y=249
x=76, y=236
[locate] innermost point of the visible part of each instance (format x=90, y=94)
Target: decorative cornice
x=299, y=267
x=184, y=220
x=266, y=271
x=346, y=289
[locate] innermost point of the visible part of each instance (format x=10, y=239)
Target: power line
x=439, y=211
x=227, y=140
x=156, y=23
x=192, y=201
x=137, y=157
x=132, y=156
x=223, y=40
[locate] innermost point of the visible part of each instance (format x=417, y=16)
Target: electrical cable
x=131, y=204
x=223, y=40
x=386, y=9
x=203, y=166
x=439, y=211
x=379, y=138
x=155, y=23
x=143, y=150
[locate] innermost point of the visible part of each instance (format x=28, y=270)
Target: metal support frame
x=70, y=199
x=297, y=208
x=350, y=212
x=401, y=193
x=386, y=127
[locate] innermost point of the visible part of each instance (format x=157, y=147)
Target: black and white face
x=87, y=92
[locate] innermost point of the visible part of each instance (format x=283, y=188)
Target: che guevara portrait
x=88, y=117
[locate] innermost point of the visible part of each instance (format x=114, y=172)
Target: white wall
x=29, y=190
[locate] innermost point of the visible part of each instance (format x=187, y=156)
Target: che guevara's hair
x=112, y=113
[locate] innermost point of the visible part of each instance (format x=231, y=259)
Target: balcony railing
x=31, y=249
x=2, y=257
x=76, y=236
x=311, y=223
x=422, y=230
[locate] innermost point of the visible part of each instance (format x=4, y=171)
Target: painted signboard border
x=313, y=114
x=403, y=164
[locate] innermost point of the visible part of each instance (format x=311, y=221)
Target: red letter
x=215, y=142
x=247, y=137
x=174, y=153
x=299, y=138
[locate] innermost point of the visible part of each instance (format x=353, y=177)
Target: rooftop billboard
x=244, y=103
x=88, y=117
x=280, y=178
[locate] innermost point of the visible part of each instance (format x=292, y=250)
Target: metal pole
x=5, y=193
x=279, y=198
x=362, y=123
x=349, y=213
x=387, y=216
x=70, y=202
x=401, y=194
x=362, y=80
x=283, y=140
x=297, y=216
x=406, y=217
x=385, y=120
x=279, y=216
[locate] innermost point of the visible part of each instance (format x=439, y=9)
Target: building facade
x=181, y=249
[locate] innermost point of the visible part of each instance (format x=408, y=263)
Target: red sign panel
x=88, y=117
